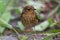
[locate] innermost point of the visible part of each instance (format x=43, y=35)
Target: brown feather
x=29, y=17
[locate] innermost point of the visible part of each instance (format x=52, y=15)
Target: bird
x=29, y=17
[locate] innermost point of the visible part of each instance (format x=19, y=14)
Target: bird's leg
x=28, y=29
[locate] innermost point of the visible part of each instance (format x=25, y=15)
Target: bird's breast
x=29, y=19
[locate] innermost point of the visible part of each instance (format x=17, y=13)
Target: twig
x=18, y=36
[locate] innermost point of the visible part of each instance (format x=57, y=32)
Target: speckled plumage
x=29, y=17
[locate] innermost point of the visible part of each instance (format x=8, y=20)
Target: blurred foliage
x=42, y=26
x=40, y=16
x=2, y=7
x=17, y=11
x=23, y=37
x=51, y=36
x=21, y=26
x=5, y=15
x=2, y=29
x=59, y=11
x=53, y=31
x=5, y=24
x=58, y=22
x=37, y=4
x=51, y=22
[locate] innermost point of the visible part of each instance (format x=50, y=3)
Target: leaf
x=20, y=9
x=51, y=22
x=23, y=37
x=2, y=7
x=59, y=12
x=42, y=26
x=17, y=11
x=5, y=24
x=2, y=29
x=58, y=22
x=53, y=31
x=40, y=16
x=51, y=36
x=21, y=26
x=4, y=4
x=6, y=16
x=10, y=4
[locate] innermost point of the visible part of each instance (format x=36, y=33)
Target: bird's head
x=29, y=8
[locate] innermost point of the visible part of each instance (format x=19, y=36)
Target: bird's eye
x=34, y=9
x=28, y=9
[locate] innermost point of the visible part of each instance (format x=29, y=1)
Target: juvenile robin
x=29, y=17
